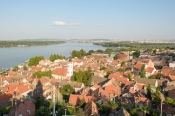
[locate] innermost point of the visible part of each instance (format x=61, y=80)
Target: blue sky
x=87, y=19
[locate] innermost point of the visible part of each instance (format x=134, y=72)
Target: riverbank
x=8, y=44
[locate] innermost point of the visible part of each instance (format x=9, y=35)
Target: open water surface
x=10, y=57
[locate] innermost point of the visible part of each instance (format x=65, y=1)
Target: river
x=10, y=57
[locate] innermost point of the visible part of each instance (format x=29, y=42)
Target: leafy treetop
x=54, y=57
x=35, y=60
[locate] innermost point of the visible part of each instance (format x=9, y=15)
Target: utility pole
x=161, y=105
x=53, y=100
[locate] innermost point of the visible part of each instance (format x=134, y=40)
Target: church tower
x=70, y=67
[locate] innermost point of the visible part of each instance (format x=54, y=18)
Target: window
x=28, y=111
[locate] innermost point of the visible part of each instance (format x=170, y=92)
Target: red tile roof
x=25, y=108
x=113, y=89
x=75, y=99
x=138, y=66
x=149, y=69
x=117, y=76
x=6, y=96
x=171, y=77
x=60, y=71
x=23, y=88
x=122, y=56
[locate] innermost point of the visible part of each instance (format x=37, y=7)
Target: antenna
x=53, y=100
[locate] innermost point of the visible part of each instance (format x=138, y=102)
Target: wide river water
x=10, y=57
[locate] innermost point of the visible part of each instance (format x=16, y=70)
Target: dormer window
x=28, y=111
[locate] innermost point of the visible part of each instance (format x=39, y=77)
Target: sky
x=87, y=19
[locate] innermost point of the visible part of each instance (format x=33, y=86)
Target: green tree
x=35, y=60
x=142, y=72
x=41, y=102
x=66, y=90
x=54, y=57
x=159, y=76
x=40, y=74
x=109, y=50
x=152, y=77
x=5, y=110
x=90, y=52
x=157, y=97
x=24, y=67
x=42, y=111
x=170, y=101
x=78, y=54
x=15, y=68
x=83, y=76
x=80, y=112
x=116, y=57
x=100, y=51
x=113, y=104
x=136, y=54
x=154, y=51
x=106, y=108
x=133, y=112
x=129, y=77
x=82, y=103
x=148, y=94
x=103, y=68
x=121, y=70
x=123, y=63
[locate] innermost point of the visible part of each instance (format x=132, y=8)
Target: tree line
x=137, y=45
x=27, y=43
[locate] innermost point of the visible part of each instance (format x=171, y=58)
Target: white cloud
x=59, y=23
x=99, y=24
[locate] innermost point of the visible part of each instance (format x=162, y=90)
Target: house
x=36, y=68
x=113, y=91
x=169, y=73
x=167, y=109
x=100, y=73
x=118, y=77
x=25, y=108
x=6, y=96
x=128, y=92
x=137, y=67
x=22, y=90
x=122, y=57
x=142, y=101
x=76, y=85
x=171, y=93
x=45, y=62
x=60, y=73
x=125, y=101
x=75, y=99
x=149, y=71
x=28, y=80
x=121, y=112
x=172, y=65
x=7, y=81
x=77, y=62
x=98, y=80
x=91, y=109
x=101, y=94
x=145, y=81
x=112, y=82
x=147, y=62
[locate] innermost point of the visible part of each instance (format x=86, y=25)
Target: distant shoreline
x=8, y=44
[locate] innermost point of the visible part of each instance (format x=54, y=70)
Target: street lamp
x=65, y=111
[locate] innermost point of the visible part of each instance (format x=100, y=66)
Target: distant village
x=120, y=85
